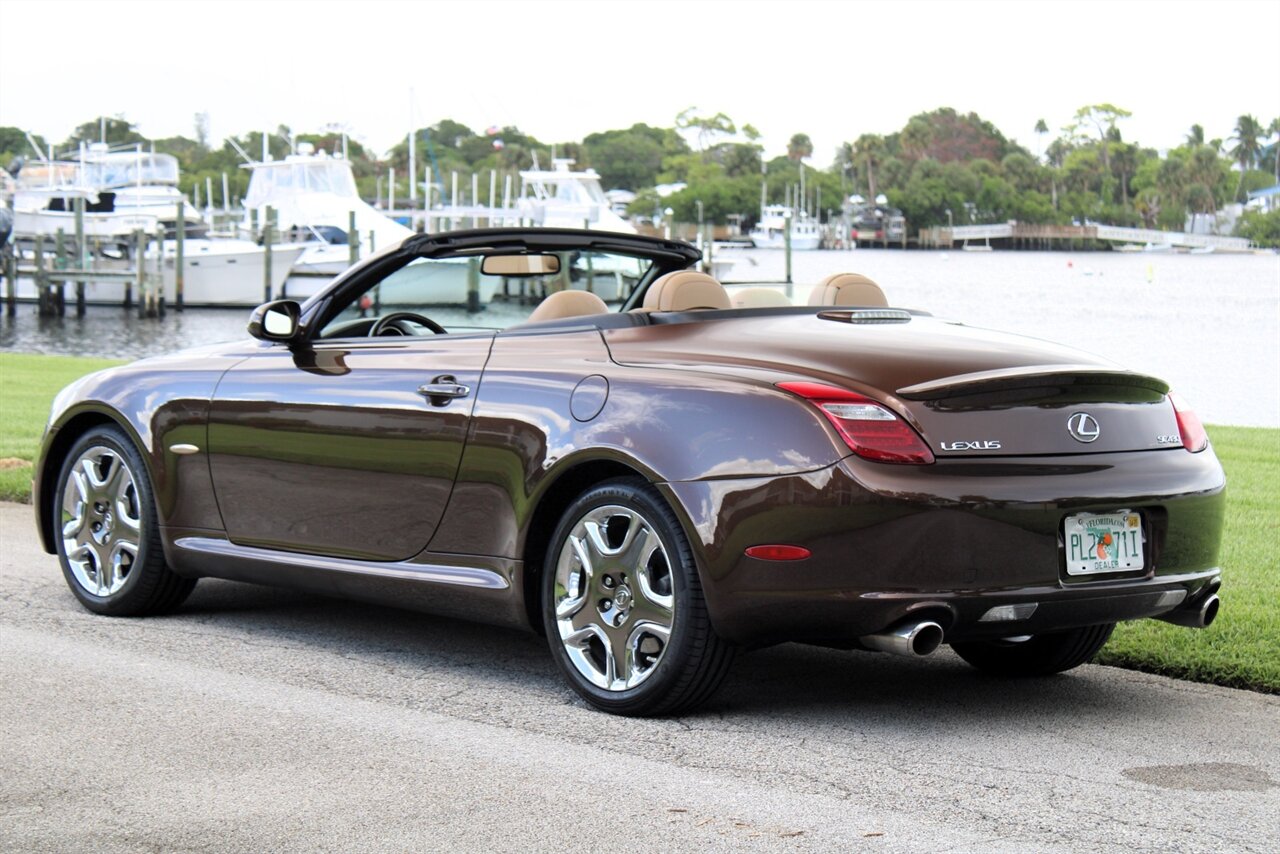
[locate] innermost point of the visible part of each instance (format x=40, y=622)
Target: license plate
x=1103, y=542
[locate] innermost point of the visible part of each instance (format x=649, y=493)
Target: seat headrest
x=759, y=298
x=685, y=290
x=568, y=304
x=847, y=289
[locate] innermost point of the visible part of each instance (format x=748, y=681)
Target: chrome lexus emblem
x=1083, y=427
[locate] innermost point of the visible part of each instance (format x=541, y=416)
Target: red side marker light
x=1194, y=437
x=778, y=552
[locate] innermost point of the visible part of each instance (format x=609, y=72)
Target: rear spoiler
x=1034, y=376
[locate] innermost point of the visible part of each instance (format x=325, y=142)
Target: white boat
x=313, y=197
x=562, y=198
x=130, y=191
x=225, y=272
x=122, y=191
x=771, y=231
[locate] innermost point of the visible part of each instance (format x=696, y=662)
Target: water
x=1208, y=324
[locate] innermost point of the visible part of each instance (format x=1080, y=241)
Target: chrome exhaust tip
x=1199, y=617
x=910, y=639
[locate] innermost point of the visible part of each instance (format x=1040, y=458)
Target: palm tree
x=869, y=151
x=1195, y=136
x=1248, y=139
x=799, y=147
x=1041, y=130
x=1274, y=130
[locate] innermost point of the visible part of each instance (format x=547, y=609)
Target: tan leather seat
x=564, y=304
x=759, y=298
x=847, y=289
x=685, y=290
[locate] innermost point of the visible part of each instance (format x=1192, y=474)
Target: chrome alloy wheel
x=101, y=521
x=614, y=598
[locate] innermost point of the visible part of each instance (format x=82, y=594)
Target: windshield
x=456, y=294
x=126, y=169
x=272, y=180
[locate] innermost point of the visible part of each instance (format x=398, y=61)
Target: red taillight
x=872, y=430
x=778, y=552
x=1194, y=438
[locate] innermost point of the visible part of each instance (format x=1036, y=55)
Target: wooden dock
x=1015, y=235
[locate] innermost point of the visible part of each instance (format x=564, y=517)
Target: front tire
x=108, y=535
x=1037, y=655
x=623, y=607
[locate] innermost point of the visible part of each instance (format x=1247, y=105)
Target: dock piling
x=268, y=235
x=139, y=269
x=787, y=246
x=82, y=256
x=353, y=238
x=179, y=253
x=41, y=285
x=473, y=285
x=58, y=295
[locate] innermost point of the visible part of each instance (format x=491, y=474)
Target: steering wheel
x=394, y=324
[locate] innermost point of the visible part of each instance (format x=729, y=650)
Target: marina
x=1169, y=307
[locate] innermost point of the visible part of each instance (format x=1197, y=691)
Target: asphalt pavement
x=262, y=720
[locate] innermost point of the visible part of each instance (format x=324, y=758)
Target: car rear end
x=1000, y=502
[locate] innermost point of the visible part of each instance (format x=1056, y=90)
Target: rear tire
x=1038, y=655
x=107, y=532
x=623, y=607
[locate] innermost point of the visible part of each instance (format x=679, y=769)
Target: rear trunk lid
x=968, y=391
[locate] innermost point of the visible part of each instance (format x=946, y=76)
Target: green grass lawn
x=27, y=386
x=1242, y=648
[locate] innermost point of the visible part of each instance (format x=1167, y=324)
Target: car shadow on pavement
x=789, y=680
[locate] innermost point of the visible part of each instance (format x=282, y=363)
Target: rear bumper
x=948, y=542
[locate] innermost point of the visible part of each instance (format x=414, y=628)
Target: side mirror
x=275, y=321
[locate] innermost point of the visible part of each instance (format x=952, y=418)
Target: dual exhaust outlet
x=921, y=638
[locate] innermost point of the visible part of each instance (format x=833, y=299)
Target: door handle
x=442, y=389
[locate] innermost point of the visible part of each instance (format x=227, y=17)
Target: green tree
x=1042, y=128
x=799, y=147
x=1101, y=118
x=868, y=151
x=632, y=158
x=708, y=128
x=115, y=130
x=1248, y=145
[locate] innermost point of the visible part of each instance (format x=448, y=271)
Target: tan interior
x=685, y=290
x=568, y=304
x=847, y=289
x=759, y=298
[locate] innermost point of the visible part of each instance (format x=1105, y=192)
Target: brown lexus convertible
x=649, y=471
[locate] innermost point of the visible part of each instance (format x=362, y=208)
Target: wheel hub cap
x=614, y=556
x=101, y=521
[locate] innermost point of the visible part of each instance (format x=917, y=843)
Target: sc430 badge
x=977, y=445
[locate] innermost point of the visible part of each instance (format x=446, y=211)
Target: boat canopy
x=128, y=169
x=277, y=179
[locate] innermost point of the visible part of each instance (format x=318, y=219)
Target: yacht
x=771, y=231
x=313, y=196
x=562, y=198
x=131, y=191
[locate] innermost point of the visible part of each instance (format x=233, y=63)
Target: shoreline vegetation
x=942, y=167
x=1241, y=649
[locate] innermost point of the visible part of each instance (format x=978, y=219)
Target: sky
x=561, y=70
